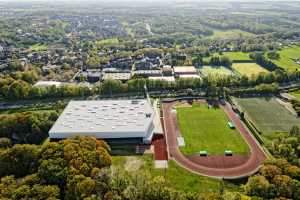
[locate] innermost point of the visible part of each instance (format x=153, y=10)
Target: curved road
x=257, y=155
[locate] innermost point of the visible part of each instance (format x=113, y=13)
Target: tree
x=16, y=65
x=53, y=171
x=295, y=131
x=273, y=55
x=18, y=90
x=296, y=189
x=18, y=157
x=257, y=186
x=5, y=142
x=270, y=171
x=10, y=188
x=283, y=185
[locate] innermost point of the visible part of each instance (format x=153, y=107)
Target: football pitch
x=206, y=129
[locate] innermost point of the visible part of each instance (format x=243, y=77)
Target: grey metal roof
x=107, y=117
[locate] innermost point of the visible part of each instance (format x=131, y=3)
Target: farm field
x=215, y=71
x=175, y=176
x=206, y=128
x=296, y=94
x=248, y=69
x=238, y=56
x=267, y=114
x=286, y=58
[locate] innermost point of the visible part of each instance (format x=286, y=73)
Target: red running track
x=160, y=148
x=250, y=166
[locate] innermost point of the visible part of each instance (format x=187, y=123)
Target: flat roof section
x=163, y=78
x=48, y=84
x=185, y=69
x=117, y=76
x=105, y=119
x=189, y=76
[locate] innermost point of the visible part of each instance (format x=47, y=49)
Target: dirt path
x=213, y=166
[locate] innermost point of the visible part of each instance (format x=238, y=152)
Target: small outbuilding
x=231, y=125
x=228, y=153
x=203, y=153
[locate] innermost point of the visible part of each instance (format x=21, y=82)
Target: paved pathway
x=246, y=168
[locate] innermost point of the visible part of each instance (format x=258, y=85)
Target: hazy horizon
x=146, y=1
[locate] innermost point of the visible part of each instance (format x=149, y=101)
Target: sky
x=142, y=1
x=135, y=0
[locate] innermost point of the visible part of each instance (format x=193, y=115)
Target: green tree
x=257, y=186
x=295, y=131
x=18, y=157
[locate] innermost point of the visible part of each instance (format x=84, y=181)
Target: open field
x=227, y=34
x=176, y=177
x=267, y=114
x=248, y=69
x=296, y=94
x=206, y=128
x=238, y=56
x=38, y=47
x=234, y=56
x=111, y=41
x=215, y=71
x=286, y=58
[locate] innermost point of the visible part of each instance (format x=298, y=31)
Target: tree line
x=17, y=89
x=80, y=168
x=27, y=127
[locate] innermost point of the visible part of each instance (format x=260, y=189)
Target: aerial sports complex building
x=112, y=120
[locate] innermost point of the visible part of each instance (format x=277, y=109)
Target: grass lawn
x=233, y=33
x=267, y=114
x=111, y=41
x=215, y=71
x=206, y=128
x=176, y=177
x=248, y=69
x=296, y=94
x=286, y=55
x=232, y=55
x=38, y=47
x=238, y=56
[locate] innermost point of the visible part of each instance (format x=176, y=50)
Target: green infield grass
x=207, y=129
